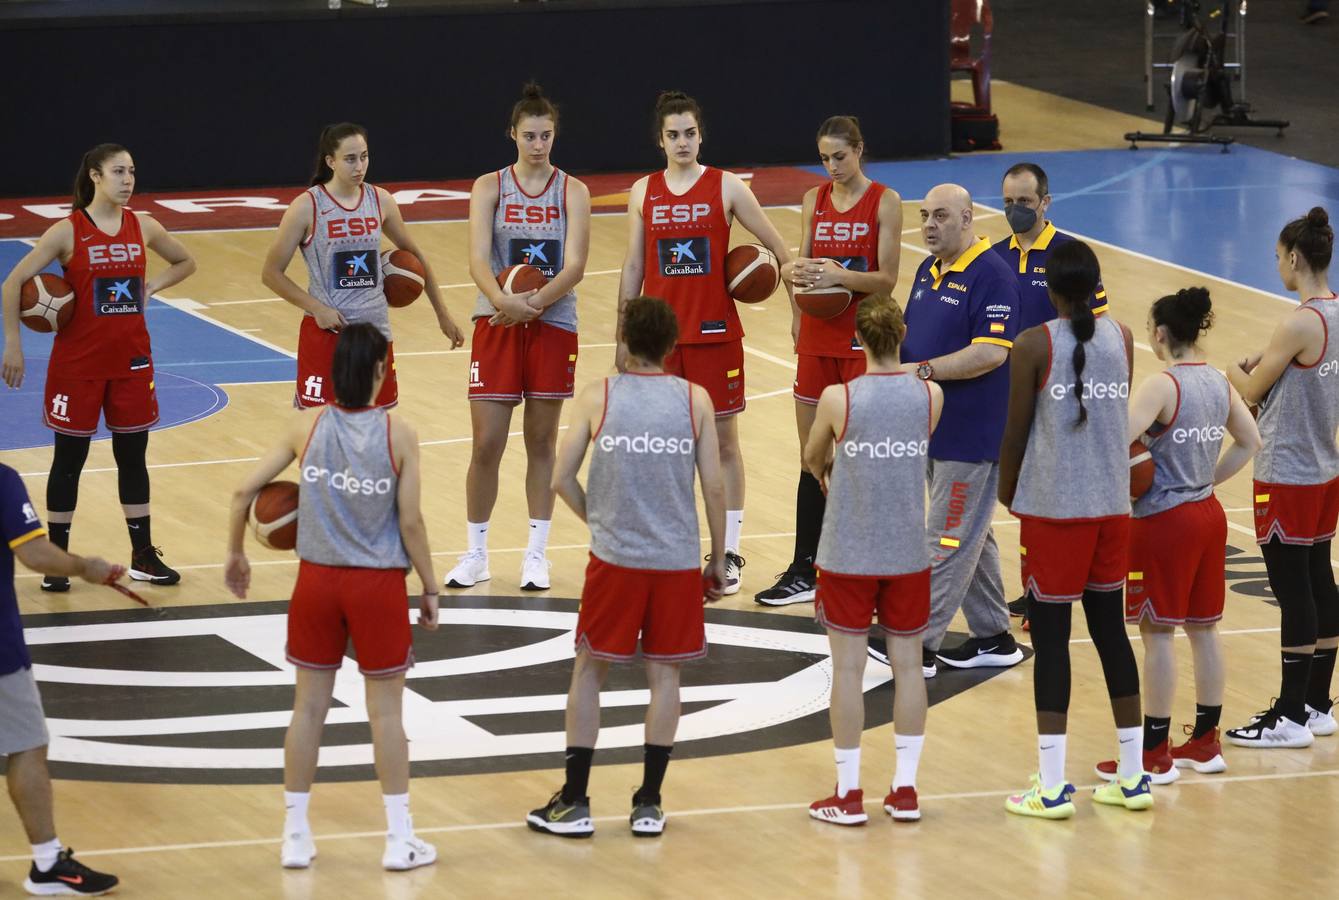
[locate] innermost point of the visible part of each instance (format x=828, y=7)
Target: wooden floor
x=738, y=825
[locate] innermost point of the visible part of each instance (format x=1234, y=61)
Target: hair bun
x=666, y=96
x=1318, y=217
x=532, y=91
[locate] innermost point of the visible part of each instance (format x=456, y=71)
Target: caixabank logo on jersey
x=684, y=256
x=547, y=256
x=117, y=296
x=203, y=694
x=355, y=269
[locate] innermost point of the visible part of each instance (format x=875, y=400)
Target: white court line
x=445, y=287
x=1183, y=781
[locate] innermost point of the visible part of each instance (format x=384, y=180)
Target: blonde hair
x=878, y=321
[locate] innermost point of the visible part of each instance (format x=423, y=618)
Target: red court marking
x=419, y=201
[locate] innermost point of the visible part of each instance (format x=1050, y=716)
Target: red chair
x=965, y=17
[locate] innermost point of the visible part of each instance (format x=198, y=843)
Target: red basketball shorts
x=1062, y=558
x=814, y=373
x=1176, y=565
x=72, y=405
x=663, y=608
x=316, y=351
x=717, y=367
x=333, y=604
x=848, y=603
x=533, y=360
x=1296, y=513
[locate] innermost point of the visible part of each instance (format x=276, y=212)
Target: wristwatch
x=925, y=371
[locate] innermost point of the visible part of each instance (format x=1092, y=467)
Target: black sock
x=1292, y=690
x=578, y=773
x=1206, y=720
x=140, y=539
x=1155, y=731
x=809, y=506
x=59, y=534
x=1322, y=670
x=654, y=764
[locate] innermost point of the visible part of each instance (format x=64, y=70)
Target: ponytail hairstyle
x=1312, y=237
x=650, y=329
x=84, y=189
x=1072, y=274
x=354, y=368
x=1186, y=314
x=533, y=103
x=331, y=137
x=847, y=128
x=673, y=103
x=878, y=321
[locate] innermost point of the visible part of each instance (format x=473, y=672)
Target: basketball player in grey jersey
x=868, y=448
x=1296, y=384
x=648, y=432
x=338, y=225
x=359, y=524
x=525, y=344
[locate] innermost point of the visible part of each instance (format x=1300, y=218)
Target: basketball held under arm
x=55, y=245
x=1154, y=401
x=393, y=226
x=275, y=460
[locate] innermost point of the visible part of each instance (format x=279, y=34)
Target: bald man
x=961, y=319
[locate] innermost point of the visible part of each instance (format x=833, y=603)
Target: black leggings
x=1050, y=627
x=67, y=462
x=1302, y=579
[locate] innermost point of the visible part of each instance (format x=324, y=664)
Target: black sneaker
x=795, y=585
x=1018, y=608
x=571, y=820
x=878, y=651
x=55, y=584
x=997, y=651
x=69, y=876
x=147, y=565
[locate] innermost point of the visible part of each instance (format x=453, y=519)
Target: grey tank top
x=1079, y=472
x=1300, y=415
x=874, y=523
x=1185, y=451
x=343, y=256
x=639, y=496
x=531, y=231
x=347, y=492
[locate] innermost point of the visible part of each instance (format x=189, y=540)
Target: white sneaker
x=298, y=850
x=403, y=853
x=1321, y=724
x=1271, y=731
x=471, y=569
x=534, y=571
x=734, y=563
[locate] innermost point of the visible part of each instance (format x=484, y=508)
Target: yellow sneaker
x=1131, y=793
x=1042, y=803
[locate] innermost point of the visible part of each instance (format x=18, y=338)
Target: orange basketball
x=751, y=273
x=1141, y=470
x=274, y=515
x=46, y=302
x=824, y=302
x=402, y=277
x=519, y=279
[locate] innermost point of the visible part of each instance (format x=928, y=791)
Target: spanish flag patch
x=1136, y=576
x=572, y=357
x=997, y=328
x=733, y=373
x=948, y=542
x=1261, y=498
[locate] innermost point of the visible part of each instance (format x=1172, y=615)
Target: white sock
x=539, y=536
x=44, y=855
x=848, y=769
x=1051, y=753
x=734, y=527
x=397, y=815
x=478, y=535
x=295, y=811
x=908, y=758
x=1131, y=760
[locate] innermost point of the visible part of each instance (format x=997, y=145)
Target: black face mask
x=1020, y=218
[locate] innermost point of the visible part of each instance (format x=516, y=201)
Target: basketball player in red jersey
x=338, y=224
x=101, y=362
x=678, y=234
x=852, y=229
x=525, y=345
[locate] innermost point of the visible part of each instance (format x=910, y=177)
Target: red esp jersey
x=687, y=237
x=107, y=337
x=850, y=238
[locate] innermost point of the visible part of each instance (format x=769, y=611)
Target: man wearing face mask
x=1027, y=199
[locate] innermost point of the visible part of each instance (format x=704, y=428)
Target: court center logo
x=203, y=694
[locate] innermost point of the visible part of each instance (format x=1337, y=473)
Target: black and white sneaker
x=1271, y=730
x=55, y=584
x=998, y=651
x=147, y=565
x=1018, y=608
x=734, y=563
x=795, y=585
x=878, y=651
x=68, y=876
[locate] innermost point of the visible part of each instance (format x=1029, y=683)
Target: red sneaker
x=1157, y=763
x=848, y=810
x=1203, y=754
x=902, y=805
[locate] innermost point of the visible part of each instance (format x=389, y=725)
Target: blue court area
x=192, y=357
x=1216, y=212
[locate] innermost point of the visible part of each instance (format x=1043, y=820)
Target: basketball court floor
x=167, y=724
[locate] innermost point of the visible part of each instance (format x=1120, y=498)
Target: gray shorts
x=22, y=722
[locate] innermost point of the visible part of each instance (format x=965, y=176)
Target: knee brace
x=132, y=473
x=1050, y=626
x=1289, y=571
x=1104, y=611
x=1324, y=592
x=62, y=487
